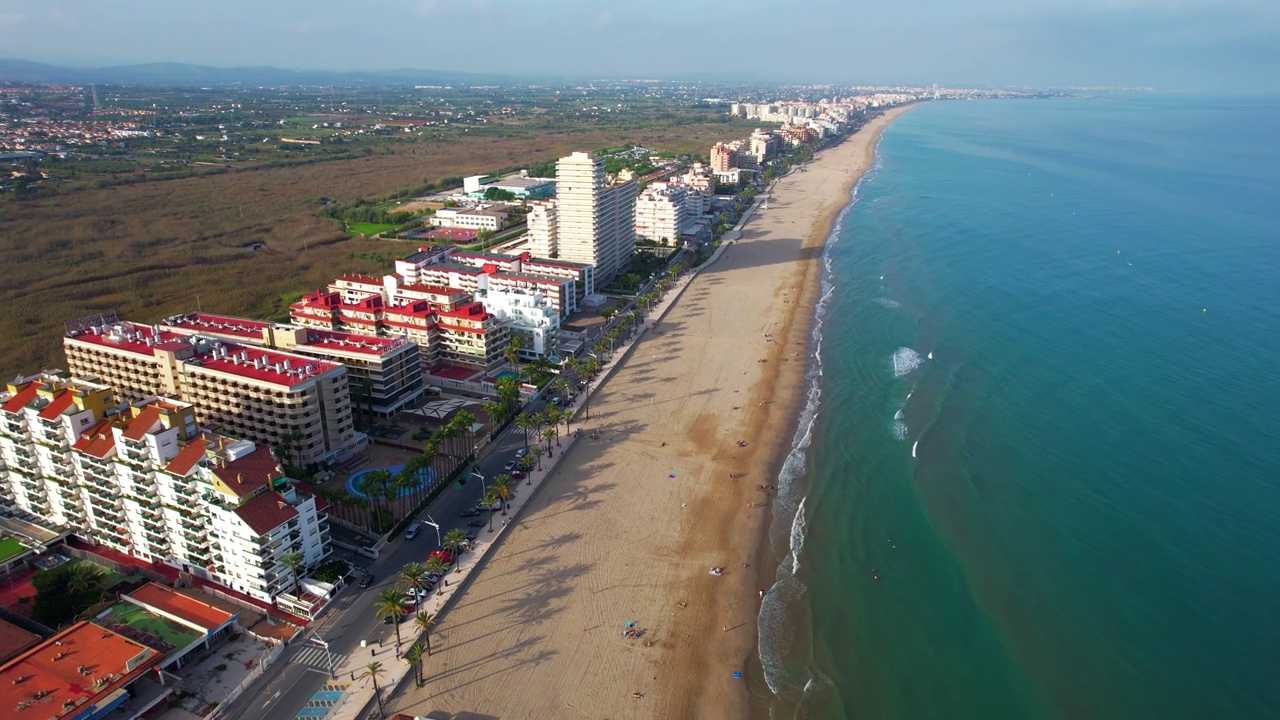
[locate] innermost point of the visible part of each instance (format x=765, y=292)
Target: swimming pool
x=425, y=477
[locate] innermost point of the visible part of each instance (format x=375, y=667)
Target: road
x=285, y=689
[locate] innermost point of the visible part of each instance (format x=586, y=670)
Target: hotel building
x=383, y=373
x=253, y=393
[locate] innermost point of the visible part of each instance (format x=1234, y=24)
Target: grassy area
x=148, y=250
x=10, y=547
x=369, y=229
x=167, y=630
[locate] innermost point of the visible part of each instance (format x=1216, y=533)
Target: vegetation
x=332, y=571
x=390, y=604
x=66, y=591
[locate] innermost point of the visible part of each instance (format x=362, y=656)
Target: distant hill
x=183, y=74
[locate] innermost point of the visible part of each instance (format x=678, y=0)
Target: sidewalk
x=358, y=702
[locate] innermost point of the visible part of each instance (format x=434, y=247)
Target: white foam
x=914, y=445
x=798, y=527
x=887, y=303
x=899, y=416
x=930, y=356
x=905, y=360
x=899, y=430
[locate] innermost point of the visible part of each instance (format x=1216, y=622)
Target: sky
x=1225, y=45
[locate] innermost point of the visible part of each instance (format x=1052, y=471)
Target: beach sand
x=628, y=526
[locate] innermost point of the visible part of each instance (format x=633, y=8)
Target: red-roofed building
x=82, y=673
x=255, y=393
x=183, y=609
x=385, y=372
x=13, y=640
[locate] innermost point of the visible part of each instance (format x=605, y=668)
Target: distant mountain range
x=182, y=74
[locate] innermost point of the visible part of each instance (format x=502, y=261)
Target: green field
x=167, y=630
x=370, y=228
x=10, y=547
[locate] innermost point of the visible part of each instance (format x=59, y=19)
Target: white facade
x=531, y=316
x=660, y=212
x=595, y=221
x=144, y=481
x=480, y=218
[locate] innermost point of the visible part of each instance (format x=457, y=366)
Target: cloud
x=440, y=8
x=12, y=19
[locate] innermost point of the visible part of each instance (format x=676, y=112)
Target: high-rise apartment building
x=595, y=221
x=144, y=480
x=660, y=213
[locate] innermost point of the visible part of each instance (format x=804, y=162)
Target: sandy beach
x=628, y=526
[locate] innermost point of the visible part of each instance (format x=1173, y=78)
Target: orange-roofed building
x=82, y=673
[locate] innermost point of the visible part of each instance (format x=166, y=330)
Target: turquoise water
x=1044, y=477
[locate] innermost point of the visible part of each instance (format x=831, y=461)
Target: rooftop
x=266, y=512
x=71, y=674
x=263, y=365
x=351, y=343
x=219, y=324
x=14, y=640
x=131, y=337
x=185, y=608
x=247, y=474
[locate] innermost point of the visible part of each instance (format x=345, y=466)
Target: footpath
x=352, y=674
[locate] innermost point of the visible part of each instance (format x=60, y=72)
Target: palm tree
x=502, y=489
x=525, y=422
x=489, y=499
x=414, y=656
x=549, y=435
x=414, y=577
x=425, y=621
x=567, y=417
x=374, y=670
x=454, y=541
x=390, y=604
x=553, y=420
x=85, y=576
x=526, y=464
x=436, y=565
x=537, y=453
x=293, y=561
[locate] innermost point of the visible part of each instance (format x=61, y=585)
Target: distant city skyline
x=1171, y=44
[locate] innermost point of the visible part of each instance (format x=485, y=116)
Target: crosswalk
x=316, y=657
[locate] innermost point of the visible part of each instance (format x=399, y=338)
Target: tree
x=375, y=669
x=414, y=577
x=567, y=417
x=502, y=489
x=549, y=435
x=436, y=565
x=526, y=464
x=537, y=453
x=414, y=656
x=508, y=393
x=525, y=422
x=608, y=313
x=425, y=621
x=488, y=500
x=390, y=604
x=554, y=418
x=293, y=561
x=65, y=591
x=454, y=541
x=496, y=411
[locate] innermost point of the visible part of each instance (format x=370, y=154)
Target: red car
x=444, y=555
x=518, y=475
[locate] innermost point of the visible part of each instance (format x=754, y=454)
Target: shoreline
x=698, y=414
x=765, y=561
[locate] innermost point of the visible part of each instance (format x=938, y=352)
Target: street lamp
x=328, y=653
x=433, y=524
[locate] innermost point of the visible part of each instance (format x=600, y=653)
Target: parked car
x=521, y=453
x=475, y=523
x=518, y=475
x=511, y=465
x=367, y=580
x=470, y=513
x=413, y=531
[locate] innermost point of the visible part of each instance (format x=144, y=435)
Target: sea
x=1039, y=471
